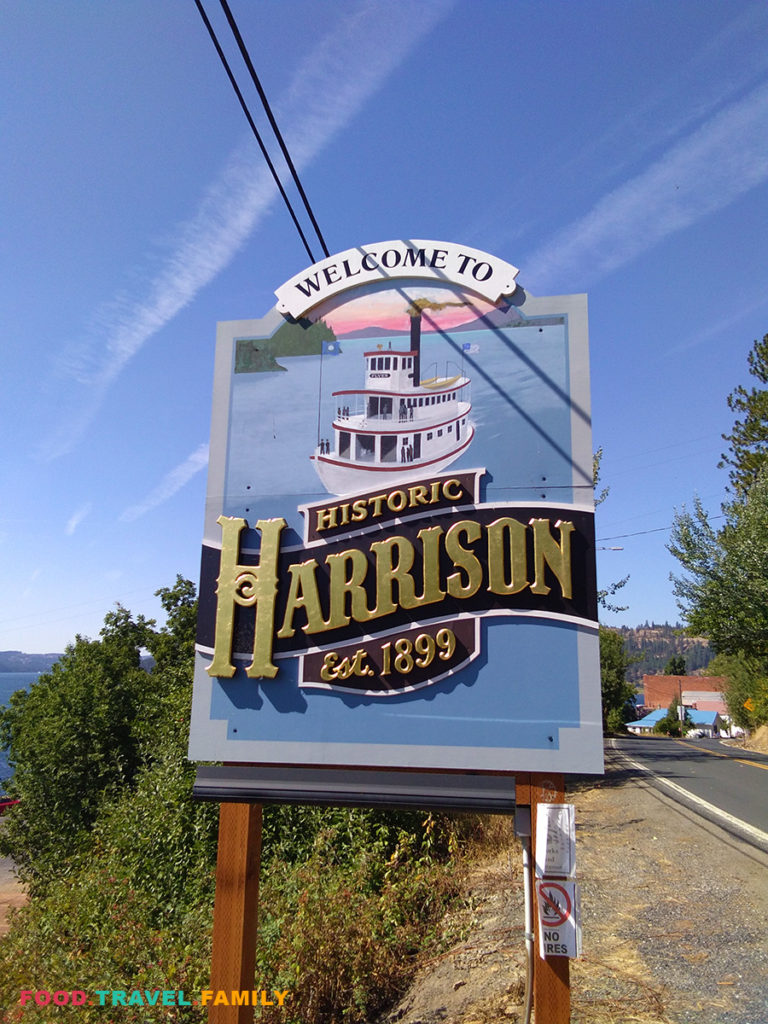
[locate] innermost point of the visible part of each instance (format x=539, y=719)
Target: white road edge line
x=715, y=812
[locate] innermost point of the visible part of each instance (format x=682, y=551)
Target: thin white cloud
x=709, y=79
x=649, y=122
x=705, y=172
x=742, y=308
x=77, y=517
x=29, y=588
x=339, y=76
x=171, y=483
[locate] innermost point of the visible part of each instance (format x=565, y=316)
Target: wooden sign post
x=551, y=975
x=233, y=960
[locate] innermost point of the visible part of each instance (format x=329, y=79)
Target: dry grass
x=759, y=740
x=610, y=986
x=615, y=990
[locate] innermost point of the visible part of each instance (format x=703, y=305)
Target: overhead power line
x=254, y=129
x=642, y=533
x=268, y=110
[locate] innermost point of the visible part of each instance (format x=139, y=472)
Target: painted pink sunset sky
x=388, y=309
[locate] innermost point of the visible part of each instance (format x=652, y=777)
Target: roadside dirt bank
x=757, y=741
x=11, y=892
x=675, y=918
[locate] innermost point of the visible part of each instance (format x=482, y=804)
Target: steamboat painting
x=400, y=425
x=399, y=383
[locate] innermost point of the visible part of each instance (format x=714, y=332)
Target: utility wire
x=641, y=533
x=254, y=129
x=278, y=135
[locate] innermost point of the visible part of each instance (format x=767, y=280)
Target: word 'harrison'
x=393, y=574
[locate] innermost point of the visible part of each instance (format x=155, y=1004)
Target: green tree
x=723, y=592
x=748, y=440
x=670, y=724
x=71, y=740
x=617, y=694
x=746, y=688
x=675, y=666
x=173, y=646
x=81, y=736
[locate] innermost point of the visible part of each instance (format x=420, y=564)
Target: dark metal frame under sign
x=345, y=787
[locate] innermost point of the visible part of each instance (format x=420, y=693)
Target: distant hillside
x=655, y=644
x=17, y=661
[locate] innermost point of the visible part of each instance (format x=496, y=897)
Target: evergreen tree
x=748, y=440
x=675, y=666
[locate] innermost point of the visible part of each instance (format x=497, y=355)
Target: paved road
x=724, y=783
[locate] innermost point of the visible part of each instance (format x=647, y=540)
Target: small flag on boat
x=470, y=349
x=331, y=348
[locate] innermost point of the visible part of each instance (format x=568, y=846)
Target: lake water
x=9, y=683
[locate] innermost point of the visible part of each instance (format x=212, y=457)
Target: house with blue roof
x=646, y=724
x=708, y=723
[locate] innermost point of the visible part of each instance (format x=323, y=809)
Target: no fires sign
x=559, y=918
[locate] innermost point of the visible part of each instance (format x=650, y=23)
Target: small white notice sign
x=555, y=840
x=559, y=908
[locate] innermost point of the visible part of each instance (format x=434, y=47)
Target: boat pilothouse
x=399, y=426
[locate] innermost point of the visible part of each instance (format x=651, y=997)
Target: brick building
x=659, y=690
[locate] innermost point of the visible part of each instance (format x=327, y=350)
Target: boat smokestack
x=416, y=347
x=415, y=310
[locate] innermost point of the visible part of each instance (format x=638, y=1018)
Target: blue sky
x=618, y=149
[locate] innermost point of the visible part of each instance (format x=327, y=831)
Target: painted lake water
x=524, y=443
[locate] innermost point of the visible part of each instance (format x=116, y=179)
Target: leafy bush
x=341, y=929
x=670, y=724
x=344, y=937
x=93, y=931
x=615, y=721
x=121, y=859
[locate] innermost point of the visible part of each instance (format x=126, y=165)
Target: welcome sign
x=398, y=561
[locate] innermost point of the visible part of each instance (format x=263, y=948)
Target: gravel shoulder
x=674, y=912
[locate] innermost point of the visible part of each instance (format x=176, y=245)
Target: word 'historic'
x=344, y=513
